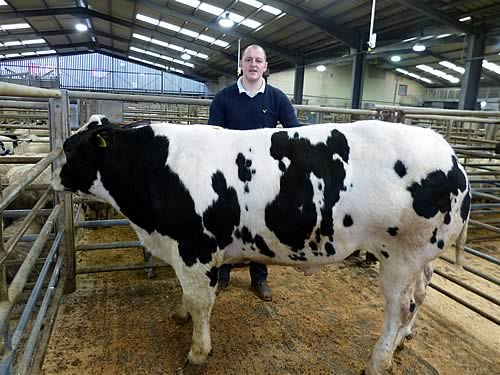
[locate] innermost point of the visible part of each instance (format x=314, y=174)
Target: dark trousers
x=258, y=272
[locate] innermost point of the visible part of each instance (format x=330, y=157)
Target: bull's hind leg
x=198, y=286
x=419, y=295
x=399, y=283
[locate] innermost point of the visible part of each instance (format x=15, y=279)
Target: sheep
x=27, y=198
x=98, y=211
x=31, y=144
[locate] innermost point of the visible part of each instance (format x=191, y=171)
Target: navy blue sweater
x=233, y=110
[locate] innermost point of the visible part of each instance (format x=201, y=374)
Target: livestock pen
x=115, y=317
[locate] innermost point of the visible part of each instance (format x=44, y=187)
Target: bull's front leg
x=198, y=286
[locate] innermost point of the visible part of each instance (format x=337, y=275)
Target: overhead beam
x=493, y=8
x=402, y=46
x=437, y=15
x=326, y=25
x=454, y=4
x=40, y=13
x=285, y=53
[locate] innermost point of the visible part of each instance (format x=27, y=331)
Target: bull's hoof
x=409, y=336
x=191, y=369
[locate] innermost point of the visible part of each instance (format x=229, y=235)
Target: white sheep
x=27, y=144
x=27, y=198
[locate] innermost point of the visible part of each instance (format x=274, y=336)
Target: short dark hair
x=254, y=46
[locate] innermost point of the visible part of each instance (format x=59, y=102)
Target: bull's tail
x=460, y=244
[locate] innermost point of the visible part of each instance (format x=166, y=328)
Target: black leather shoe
x=263, y=291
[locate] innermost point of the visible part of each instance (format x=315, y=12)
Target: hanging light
x=321, y=68
x=396, y=58
x=419, y=47
x=225, y=21
x=185, y=56
x=81, y=27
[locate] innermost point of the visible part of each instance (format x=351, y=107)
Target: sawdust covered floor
x=119, y=323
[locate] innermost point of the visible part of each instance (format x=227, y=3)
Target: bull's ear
x=103, y=138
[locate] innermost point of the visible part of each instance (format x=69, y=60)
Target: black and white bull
x=305, y=197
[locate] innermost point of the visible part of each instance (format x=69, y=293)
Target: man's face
x=253, y=64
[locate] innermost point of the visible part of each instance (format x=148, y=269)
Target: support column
x=358, y=72
x=472, y=76
x=298, y=85
x=59, y=131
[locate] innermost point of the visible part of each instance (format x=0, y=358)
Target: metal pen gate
x=26, y=334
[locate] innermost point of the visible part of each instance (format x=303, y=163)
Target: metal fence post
x=3, y=279
x=60, y=130
x=449, y=129
x=4, y=296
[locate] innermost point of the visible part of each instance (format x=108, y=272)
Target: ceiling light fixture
x=81, y=27
x=468, y=18
x=321, y=68
x=185, y=56
x=419, y=47
x=225, y=21
x=396, y=58
x=14, y=26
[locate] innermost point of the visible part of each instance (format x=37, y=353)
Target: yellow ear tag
x=102, y=141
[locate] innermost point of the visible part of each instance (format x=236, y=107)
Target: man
x=250, y=103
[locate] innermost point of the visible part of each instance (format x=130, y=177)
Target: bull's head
x=83, y=153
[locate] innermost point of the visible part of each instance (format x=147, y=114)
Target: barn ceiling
x=293, y=32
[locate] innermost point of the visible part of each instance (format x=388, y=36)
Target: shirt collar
x=243, y=90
